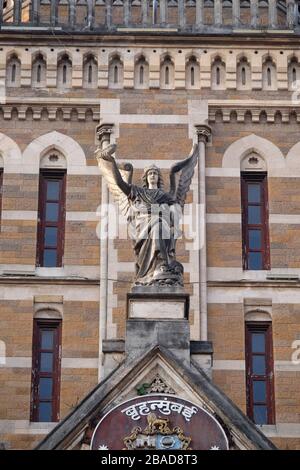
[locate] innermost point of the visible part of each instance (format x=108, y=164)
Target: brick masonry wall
x=157, y=142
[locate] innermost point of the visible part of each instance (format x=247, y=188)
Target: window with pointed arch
x=218, y=74
x=192, y=73
x=39, y=70
x=293, y=74
x=167, y=74
x=269, y=75
x=141, y=73
x=13, y=72
x=64, y=72
x=243, y=72
x=115, y=73
x=90, y=72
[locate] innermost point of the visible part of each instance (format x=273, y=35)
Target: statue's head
x=152, y=177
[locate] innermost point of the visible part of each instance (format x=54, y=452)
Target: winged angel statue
x=152, y=213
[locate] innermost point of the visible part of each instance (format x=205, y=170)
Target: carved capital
x=103, y=132
x=203, y=132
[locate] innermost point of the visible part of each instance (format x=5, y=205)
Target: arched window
x=269, y=75
x=192, y=73
x=90, y=72
x=13, y=73
x=192, y=76
x=218, y=73
x=13, y=69
x=141, y=73
x=38, y=74
x=218, y=76
x=39, y=67
x=64, y=72
x=115, y=74
x=243, y=76
x=293, y=73
x=167, y=73
x=243, y=72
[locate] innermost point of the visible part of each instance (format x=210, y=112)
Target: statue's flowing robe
x=151, y=226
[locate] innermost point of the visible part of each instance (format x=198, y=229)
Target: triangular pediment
x=157, y=371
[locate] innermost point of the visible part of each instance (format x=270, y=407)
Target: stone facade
x=156, y=123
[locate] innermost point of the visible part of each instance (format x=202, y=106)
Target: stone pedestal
x=160, y=317
x=157, y=306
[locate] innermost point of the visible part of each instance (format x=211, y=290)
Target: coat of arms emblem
x=157, y=435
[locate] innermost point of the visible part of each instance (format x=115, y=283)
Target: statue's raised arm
x=187, y=168
x=118, y=177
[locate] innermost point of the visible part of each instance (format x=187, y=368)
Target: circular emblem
x=158, y=421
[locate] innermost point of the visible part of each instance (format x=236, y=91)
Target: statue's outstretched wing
x=187, y=168
x=118, y=177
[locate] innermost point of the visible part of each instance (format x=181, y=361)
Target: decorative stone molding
x=217, y=67
x=10, y=151
x=67, y=146
x=103, y=133
x=239, y=149
x=50, y=112
x=203, y=133
x=158, y=385
x=255, y=114
x=253, y=162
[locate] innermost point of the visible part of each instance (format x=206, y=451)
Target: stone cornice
x=52, y=106
x=35, y=280
x=257, y=284
x=289, y=39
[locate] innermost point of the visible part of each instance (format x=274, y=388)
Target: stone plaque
x=158, y=422
x=158, y=306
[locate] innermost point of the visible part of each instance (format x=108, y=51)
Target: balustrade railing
x=184, y=15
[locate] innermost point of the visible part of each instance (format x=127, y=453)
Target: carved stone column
x=35, y=12
x=272, y=13
x=203, y=134
x=126, y=7
x=254, y=12
x=218, y=12
x=290, y=14
x=54, y=12
x=236, y=12
x=90, y=13
x=17, y=11
x=144, y=12
x=72, y=13
x=103, y=133
x=163, y=11
x=199, y=13
x=108, y=14
x=103, y=136
x=181, y=13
